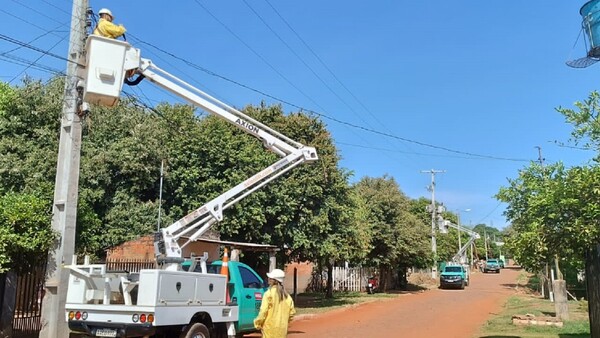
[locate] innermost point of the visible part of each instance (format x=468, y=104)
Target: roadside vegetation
x=528, y=302
x=313, y=213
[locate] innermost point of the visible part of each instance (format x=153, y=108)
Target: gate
x=28, y=301
x=21, y=295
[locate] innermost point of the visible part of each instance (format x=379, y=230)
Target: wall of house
x=304, y=272
x=143, y=249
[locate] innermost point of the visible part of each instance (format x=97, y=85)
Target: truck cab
x=491, y=265
x=454, y=276
x=246, y=289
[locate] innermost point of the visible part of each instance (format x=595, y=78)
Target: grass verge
x=500, y=326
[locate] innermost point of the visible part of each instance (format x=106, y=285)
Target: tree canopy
x=311, y=213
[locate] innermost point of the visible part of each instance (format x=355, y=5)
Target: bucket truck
x=171, y=302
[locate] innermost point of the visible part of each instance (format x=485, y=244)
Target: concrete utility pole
x=64, y=208
x=540, y=157
x=433, y=217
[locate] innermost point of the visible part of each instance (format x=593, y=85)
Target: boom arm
x=472, y=234
x=200, y=220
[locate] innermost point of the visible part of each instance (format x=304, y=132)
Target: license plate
x=106, y=333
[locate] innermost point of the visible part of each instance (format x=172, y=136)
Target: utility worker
x=105, y=26
x=276, y=309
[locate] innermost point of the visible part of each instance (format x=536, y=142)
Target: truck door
x=250, y=298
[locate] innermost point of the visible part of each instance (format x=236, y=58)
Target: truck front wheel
x=197, y=330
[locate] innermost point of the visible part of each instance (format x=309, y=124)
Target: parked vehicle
x=372, y=284
x=491, y=265
x=454, y=276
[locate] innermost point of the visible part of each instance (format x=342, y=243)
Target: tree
x=400, y=238
x=25, y=232
x=554, y=211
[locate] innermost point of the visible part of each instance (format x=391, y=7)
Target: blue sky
x=475, y=77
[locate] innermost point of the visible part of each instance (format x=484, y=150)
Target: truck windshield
x=453, y=269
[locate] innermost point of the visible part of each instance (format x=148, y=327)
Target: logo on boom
x=248, y=126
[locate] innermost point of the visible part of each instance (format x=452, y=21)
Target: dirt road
x=431, y=314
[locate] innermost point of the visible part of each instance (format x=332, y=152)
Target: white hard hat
x=105, y=11
x=277, y=274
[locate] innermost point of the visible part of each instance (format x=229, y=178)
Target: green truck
x=246, y=289
x=454, y=276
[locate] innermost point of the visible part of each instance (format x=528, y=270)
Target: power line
x=373, y=131
x=31, y=41
x=304, y=62
x=389, y=135
x=37, y=49
x=322, y=62
x=33, y=24
x=24, y=62
x=258, y=55
x=413, y=153
x=36, y=60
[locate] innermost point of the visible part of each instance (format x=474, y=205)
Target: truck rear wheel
x=197, y=330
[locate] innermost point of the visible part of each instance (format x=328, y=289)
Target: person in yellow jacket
x=276, y=309
x=105, y=26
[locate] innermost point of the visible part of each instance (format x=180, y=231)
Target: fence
x=21, y=304
x=130, y=265
x=351, y=279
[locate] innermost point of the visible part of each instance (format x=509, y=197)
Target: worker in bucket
x=105, y=26
x=276, y=309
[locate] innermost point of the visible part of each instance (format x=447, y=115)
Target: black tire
x=467, y=282
x=197, y=330
x=462, y=286
x=497, y=271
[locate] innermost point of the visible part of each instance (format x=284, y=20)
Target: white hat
x=105, y=11
x=277, y=274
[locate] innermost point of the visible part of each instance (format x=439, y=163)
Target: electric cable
x=36, y=60
x=373, y=131
x=37, y=49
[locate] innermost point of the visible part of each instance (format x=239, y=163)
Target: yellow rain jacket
x=274, y=315
x=108, y=29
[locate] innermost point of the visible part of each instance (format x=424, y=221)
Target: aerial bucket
x=590, y=13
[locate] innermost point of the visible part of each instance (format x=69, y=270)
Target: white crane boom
x=109, y=59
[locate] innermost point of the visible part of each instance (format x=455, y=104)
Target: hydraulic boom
x=103, y=67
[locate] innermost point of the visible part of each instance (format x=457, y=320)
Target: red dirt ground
x=429, y=314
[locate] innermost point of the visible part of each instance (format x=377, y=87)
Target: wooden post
x=561, y=304
x=295, y=284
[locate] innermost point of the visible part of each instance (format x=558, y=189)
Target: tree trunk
x=592, y=277
x=329, y=293
x=402, y=278
x=561, y=302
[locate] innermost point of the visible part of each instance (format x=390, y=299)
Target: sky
x=467, y=88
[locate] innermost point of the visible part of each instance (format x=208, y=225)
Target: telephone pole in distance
x=434, y=212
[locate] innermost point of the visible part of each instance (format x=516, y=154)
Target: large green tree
x=309, y=212
x=555, y=211
x=400, y=238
